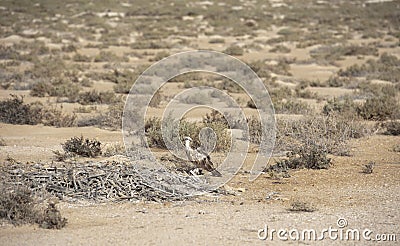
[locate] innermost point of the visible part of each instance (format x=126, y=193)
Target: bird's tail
x=216, y=173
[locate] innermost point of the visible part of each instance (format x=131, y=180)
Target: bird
x=200, y=158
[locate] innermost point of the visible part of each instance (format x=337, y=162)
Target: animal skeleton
x=200, y=158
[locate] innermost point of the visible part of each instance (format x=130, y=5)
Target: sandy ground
x=365, y=201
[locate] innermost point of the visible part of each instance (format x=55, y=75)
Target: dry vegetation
x=332, y=70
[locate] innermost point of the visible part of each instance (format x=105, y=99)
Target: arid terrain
x=332, y=70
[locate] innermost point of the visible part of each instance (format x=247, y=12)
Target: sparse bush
x=155, y=138
x=392, y=128
x=337, y=81
x=346, y=107
x=380, y=108
x=113, y=149
x=56, y=87
x=51, y=218
x=112, y=118
x=95, y=97
x=14, y=111
x=159, y=56
x=230, y=86
x=107, y=56
x=300, y=206
x=81, y=58
x=387, y=67
x=291, y=107
x=329, y=133
x=17, y=205
x=82, y=147
x=55, y=117
x=368, y=168
x=234, y=50
x=280, y=49
x=216, y=41
x=255, y=131
x=309, y=155
x=123, y=79
x=332, y=53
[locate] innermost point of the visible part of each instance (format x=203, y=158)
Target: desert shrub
x=234, y=50
x=309, y=155
x=145, y=44
x=198, y=98
x=328, y=133
x=368, y=89
x=159, y=56
x=95, y=97
x=300, y=206
x=280, y=49
x=51, y=218
x=345, y=107
x=123, y=79
x=156, y=99
x=332, y=53
x=191, y=129
x=337, y=81
x=112, y=118
x=48, y=67
x=392, y=128
x=229, y=86
x=113, y=149
x=17, y=205
x=56, y=87
x=81, y=58
x=368, y=168
x=82, y=147
x=14, y=111
x=396, y=148
x=215, y=116
x=68, y=48
x=305, y=93
x=107, y=56
x=282, y=67
x=260, y=68
x=216, y=41
x=255, y=131
x=291, y=107
x=55, y=117
x=380, y=108
x=387, y=67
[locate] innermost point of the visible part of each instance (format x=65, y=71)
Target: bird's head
x=187, y=139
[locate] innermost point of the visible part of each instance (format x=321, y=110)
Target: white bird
x=200, y=158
